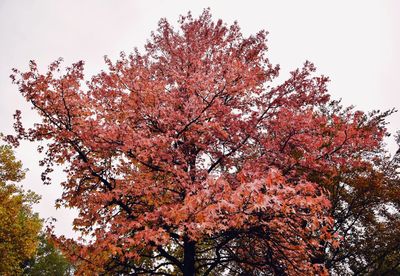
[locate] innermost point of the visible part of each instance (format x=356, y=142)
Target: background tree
x=367, y=211
x=47, y=261
x=19, y=226
x=186, y=159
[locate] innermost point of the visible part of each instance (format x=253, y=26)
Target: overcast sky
x=356, y=43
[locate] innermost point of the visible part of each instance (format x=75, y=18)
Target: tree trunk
x=189, y=252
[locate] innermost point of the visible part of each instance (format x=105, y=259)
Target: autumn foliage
x=19, y=226
x=189, y=158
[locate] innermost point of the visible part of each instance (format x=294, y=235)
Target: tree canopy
x=189, y=158
x=48, y=261
x=19, y=226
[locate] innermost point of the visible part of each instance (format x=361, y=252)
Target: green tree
x=47, y=261
x=19, y=226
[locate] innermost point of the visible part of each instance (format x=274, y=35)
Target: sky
x=356, y=43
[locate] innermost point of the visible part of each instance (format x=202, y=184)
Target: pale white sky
x=356, y=43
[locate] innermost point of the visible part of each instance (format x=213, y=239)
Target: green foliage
x=47, y=261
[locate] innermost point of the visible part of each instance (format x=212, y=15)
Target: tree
x=366, y=208
x=47, y=261
x=19, y=226
x=187, y=159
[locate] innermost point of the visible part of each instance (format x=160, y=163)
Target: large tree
x=19, y=226
x=188, y=158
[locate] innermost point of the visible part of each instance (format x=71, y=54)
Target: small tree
x=186, y=159
x=48, y=261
